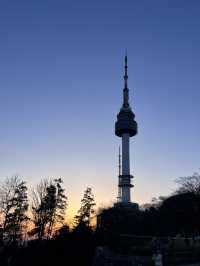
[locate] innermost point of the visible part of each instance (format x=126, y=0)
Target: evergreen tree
x=87, y=208
x=57, y=203
x=39, y=209
x=49, y=207
x=13, y=206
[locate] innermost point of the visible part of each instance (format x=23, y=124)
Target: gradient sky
x=61, y=80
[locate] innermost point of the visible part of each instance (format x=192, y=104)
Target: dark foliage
x=176, y=215
x=70, y=248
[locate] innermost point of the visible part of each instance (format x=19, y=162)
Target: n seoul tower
x=125, y=128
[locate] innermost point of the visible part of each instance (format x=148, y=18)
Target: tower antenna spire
x=126, y=90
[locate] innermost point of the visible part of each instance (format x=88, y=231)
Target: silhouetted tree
x=155, y=203
x=189, y=184
x=49, y=206
x=56, y=204
x=13, y=208
x=86, y=210
x=39, y=210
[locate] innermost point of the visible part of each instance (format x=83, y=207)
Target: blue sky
x=61, y=83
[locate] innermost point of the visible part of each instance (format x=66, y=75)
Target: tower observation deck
x=125, y=128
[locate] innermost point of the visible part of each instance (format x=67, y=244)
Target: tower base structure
x=122, y=218
x=127, y=205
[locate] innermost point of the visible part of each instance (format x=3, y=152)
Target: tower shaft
x=125, y=180
x=125, y=154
